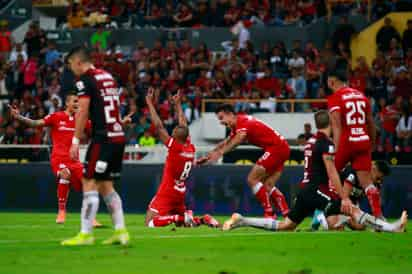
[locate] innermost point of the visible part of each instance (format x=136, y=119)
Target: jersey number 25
x=354, y=108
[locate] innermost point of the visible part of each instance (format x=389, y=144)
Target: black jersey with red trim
x=315, y=174
x=348, y=175
x=104, y=109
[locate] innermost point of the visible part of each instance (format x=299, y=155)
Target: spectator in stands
x=385, y=34
x=52, y=55
x=4, y=92
x=35, y=39
x=147, y=140
x=298, y=86
x=6, y=40
x=307, y=132
x=379, y=83
x=17, y=50
x=380, y=9
x=402, y=84
x=184, y=17
x=30, y=70
x=155, y=16
x=343, y=34
x=389, y=118
x=404, y=130
x=75, y=17
x=296, y=61
x=101, y=36
x=407, y=37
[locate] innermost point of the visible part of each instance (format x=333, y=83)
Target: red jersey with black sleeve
x=104, y=111
x=258, y=133
x=62, y=127
x=179, y=163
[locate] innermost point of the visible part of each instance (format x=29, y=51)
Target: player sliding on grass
x=268, y=169
x=352, y=187
x=354, y=134
x=315, y=192
x=168, y=205
x=68, y=172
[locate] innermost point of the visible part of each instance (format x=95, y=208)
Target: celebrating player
x=352, y=187
x=315, y=192
x=68, y=172
x=268, y=169
x=98, y=96
x=354, y=134
x=168, y=205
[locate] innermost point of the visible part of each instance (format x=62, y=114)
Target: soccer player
x=352, y=187
x=315, y=192
x=354, y=134
x=68, y=172
x=99, y=98
x=268, y=169
x=168, y=205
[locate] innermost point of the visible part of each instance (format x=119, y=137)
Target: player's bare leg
x=377, y=224
x=115, y=208
x=238, y=220
x=63, y=189
x=371, y=191
x=276, y=196
x=256, y=182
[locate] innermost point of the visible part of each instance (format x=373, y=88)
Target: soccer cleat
x=189, y=221
x=96, y=224
x=79, y=239
x=402, y=222
x=120, y=236
x=233, y=222
x=315, y=220
x=61, y=217
x=210, y=221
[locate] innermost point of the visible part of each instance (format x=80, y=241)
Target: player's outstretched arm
x=178, y=104
x=336, y=124
x=128, y=118
x=162, y=132
x=15, y=114
x=227, y=146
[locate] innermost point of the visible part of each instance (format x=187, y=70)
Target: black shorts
x=104, y=161
x=308, y=200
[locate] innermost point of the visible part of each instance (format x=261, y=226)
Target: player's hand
x=74, y=152
x=128, y=118
x=346, y=206
x=201, y=160
x=177, y=98
x=150, y=96
x=14, y=111
x=213, y=156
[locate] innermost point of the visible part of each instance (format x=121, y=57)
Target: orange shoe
x=96, y=224
x=61, y=217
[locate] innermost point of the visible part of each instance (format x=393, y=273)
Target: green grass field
x=29, y=243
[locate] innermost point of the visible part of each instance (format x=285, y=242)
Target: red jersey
x=177, y=169
x=62, y=127
x=353, y=107
x=258, y=133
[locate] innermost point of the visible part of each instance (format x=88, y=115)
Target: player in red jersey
x=268, y=169
x=354, y=134
x=168, y=205
x=67, y=171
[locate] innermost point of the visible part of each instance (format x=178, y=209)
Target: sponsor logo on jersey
x=80, y=85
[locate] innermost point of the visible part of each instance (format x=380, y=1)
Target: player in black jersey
x=99, y=100
x=315, y=192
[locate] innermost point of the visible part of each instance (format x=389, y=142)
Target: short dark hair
x=184, y=131
x=82, y=52
x=322, y=119
x=228, y=108
x=383, y=167
x=339, y=74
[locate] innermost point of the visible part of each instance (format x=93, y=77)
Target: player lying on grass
x=315, y=192
x=353, y=188
x=268, y=169
x=168, y=205
x=68, y=172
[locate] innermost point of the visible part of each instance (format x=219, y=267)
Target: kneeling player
x=168, y=205
x=315, y=192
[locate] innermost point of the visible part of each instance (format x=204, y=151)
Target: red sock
x=263, y=197
x=374, y=199
x=62, y=193
x=279, y=200
x=166, y=220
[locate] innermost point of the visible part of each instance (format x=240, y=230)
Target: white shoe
x=233, y=222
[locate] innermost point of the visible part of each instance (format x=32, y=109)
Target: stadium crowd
x=33, y=77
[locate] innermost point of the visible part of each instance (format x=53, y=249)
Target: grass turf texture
x=30, y=243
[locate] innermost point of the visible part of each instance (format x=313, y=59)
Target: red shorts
x=75, y=168
x=167, y=205
x=359, y=154
x=274, y=158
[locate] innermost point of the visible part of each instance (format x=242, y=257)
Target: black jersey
x=315, y=174
x=104, y=109
x=348, y=175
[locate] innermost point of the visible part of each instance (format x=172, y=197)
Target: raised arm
x=180, y=115
x=15, y=114
x=162, y=132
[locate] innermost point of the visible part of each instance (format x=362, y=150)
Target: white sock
x=366, y=219
x=322, y=220
x=115, y=208
x=265, y=223
x=256, y=187
x=90, y=206
x=150, y=224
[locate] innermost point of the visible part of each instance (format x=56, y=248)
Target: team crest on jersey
x=117, y=127
x=80, y=85
x=331, y=149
